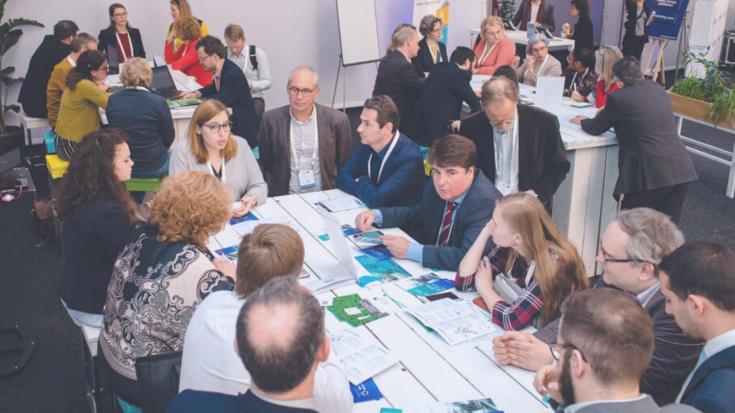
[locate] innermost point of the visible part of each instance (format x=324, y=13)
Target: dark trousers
x=633, y=45
x=259, y=104
x=669, y=200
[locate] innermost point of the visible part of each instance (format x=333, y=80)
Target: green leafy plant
x=9, y=35
x=716, y=87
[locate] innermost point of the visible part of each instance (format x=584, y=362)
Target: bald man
x=281, y=341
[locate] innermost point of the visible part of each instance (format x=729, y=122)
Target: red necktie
x=446, y=228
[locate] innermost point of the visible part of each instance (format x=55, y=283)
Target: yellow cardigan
x=55, y=89
x=78, y=112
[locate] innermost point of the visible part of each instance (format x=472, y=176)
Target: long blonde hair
x=528, y=217
x=605, y=58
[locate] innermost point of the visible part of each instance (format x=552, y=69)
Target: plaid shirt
x=527, y=306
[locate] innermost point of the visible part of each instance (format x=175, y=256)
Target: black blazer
x=423, y=60
x=711, y=387
x=651, y=154
x=542, y=163
x=630, y=18
x=108, y=44
x=441, y=101
x=422, y=222
x=398, y=78
x=33, y=91
x=235, y=93
x=583, y=35
x=545, y=15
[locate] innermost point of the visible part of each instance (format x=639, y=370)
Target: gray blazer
x=274, y=141
x=527, y=77
x=644, y=405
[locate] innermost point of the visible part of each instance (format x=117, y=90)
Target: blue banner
x=668, y=17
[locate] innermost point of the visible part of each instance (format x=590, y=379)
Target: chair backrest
x=158, y=379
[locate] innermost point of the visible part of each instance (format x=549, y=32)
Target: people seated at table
x=56, y=83
x=229, y=86
x=580, y=78
x=145, y=118
x=531, y=269
x=50, y=52
x=387, y=169
x=698, y=281
x=253, y=62
x=632, y=246
x=519, y=147
x=507, y=72
x=493, y=48
x=161, y=276
x=431, y=50
x=539, y=12
x=638, y=16
x=654, y=167
x=603, y=347
x=398, y=78
x=120, y=41
x=454, y=208
x=538, y=61
x=213, y=147
x=180, y=8
x=440, y=103
x=281, y=341
x=185, y=58
x=209, y=361
x=303, y=144
x=98, y=218
x=582, y=33
x=85, y=92
x=605, y=57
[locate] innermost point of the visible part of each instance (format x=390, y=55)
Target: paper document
x=341, y=203
x=549, y=90
x=455, y=321
x=359, y=360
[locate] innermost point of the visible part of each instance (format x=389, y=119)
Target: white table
x=429, y=370
x=521, y=37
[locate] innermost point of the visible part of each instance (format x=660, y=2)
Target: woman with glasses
x=538, y=61
x=531, y=269
x=493, y=48
x=431, y=50
x=185, y=58
x=211, y=147
x=119, y=41
x=84, y=94
x=605, y=58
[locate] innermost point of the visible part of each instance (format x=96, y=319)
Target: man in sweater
x=81, y=43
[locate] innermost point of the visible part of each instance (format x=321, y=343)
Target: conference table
x=428, y=370
x=520, y=37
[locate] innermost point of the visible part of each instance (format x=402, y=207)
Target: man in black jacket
x=53, y=48
x=447, y=86
x=519, y=147
x=655, y=168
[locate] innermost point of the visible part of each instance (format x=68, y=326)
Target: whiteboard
x=358, y=31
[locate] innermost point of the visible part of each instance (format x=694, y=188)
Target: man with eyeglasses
x=519, y=147
x=229, y=86
x=303, y=144
x=604, y=344
x=630, y=251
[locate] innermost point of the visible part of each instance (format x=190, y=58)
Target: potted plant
x=709, y=99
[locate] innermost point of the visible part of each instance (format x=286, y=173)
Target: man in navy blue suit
x=698, y=281
x=387, y=169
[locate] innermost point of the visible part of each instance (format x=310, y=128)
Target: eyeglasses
x=293, y=90
x=216, y=127
x=608, y=258
x=104, y=68
x=556, y=349
x=120, y=14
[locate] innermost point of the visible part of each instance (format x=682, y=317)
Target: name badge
x=306, y=179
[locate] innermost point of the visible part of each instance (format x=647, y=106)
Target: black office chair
x=158, y=378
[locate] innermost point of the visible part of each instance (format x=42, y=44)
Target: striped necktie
x=446, y=228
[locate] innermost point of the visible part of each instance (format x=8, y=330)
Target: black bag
x=158, y=379
x=253, y=57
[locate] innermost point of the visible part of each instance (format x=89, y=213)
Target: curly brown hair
x=187, y=28
x=190, y=207
x=91, y=176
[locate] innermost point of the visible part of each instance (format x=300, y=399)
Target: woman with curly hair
x=98, y=219
x=185, y=58
x=161, y=277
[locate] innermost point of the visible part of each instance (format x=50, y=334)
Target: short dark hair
x=281, y=360
x=453, y=150
x=702, y=268
x=507, y=72
x=386, y=108
x=64, y=29
x=582, y=6
x=611, y=330
x=627, y=70
x=212, y=46
x=461, y=54
x=88, y=61
x=584, y=55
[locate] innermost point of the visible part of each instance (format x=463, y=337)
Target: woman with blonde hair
x=494, y=48
x=605, y=58
x=211, y=147
x=180, y=8
x=186, y=58
x=531, y=269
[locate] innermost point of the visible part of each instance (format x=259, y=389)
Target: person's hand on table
x=247, y=203
x=191, y=95
x=522, y=349
x=546, y=381
x=225, y=267
x=365, y=220
x=578, y=97
x=515, y=62
x=577, y=120
x=397, y=245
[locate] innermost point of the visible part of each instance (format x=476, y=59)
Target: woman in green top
x=84, y=93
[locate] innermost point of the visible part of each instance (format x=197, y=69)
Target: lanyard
x=222, y=169
x=314, y=154
x=385, y=158
x=529, y=273
x=486, y=53
x=71, y=61
x=122, y=49
x=543, y=64
x=573, y=86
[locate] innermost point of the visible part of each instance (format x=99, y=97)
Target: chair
x=143, y=184
x=90, y=337
x=158, y=379
x=29, y=123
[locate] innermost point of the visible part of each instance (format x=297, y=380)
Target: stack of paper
x=358, y=359
x=454, y=320
x=341, y=203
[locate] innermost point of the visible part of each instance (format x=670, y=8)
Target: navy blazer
x=398, y=78
x=441, y=101
x=234, y=92
x=203, y=401
x=422, y=222
x=424, y=61
x=400, y=182
x=712, y=386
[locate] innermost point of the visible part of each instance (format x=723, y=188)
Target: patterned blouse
x=584, y=83
x=154, y=290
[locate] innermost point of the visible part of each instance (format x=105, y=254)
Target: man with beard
x=604, y=344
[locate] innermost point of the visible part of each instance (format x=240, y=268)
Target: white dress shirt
x=261, y=78
x=305, y=146
x=506, y=158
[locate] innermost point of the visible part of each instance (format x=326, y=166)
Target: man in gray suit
x=604, y=344
x=454, y=207
x=303, y=144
